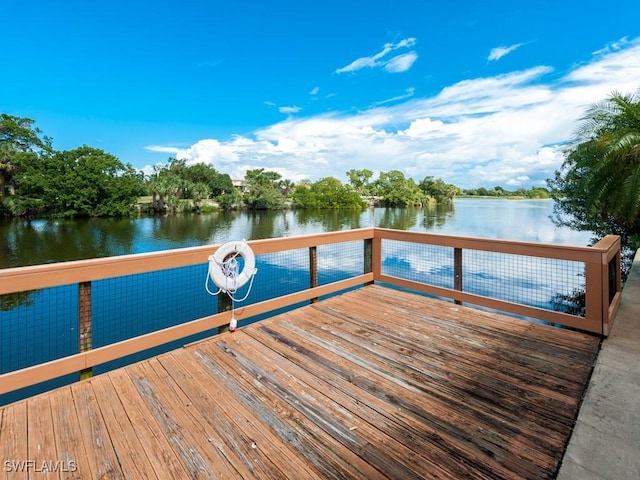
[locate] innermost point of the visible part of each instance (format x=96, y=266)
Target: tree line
x=533, y=192
x=597, y=188
x=38, y=181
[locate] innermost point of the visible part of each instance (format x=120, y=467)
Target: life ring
x=223, y=266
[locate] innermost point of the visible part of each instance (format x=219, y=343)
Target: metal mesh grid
x=340, y=261
x=430, y=264
x=125, y=307
x=38, y=326
x=280, y=273
x=43, y=325
x=537, y=282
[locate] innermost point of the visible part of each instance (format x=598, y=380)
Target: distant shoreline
x=506, y=197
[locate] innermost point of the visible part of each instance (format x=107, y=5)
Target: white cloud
x=163, y=149
x=409, y=92
x=314, y=91
x=291, y=109
x=505, y=130
x=499, y=52
x=613, y=46
x=399, y=63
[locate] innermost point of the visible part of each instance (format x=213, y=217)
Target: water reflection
x=24, y=242
x=330, y=220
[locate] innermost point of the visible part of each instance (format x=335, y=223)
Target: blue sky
x=477, y=93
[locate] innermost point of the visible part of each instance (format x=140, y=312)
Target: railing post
x=376, y=256
x=457, y=271
x=85, y=336
x=368, y=257
x=313, y=270
x=609, y=286
x=224, y=305
x=593, y=295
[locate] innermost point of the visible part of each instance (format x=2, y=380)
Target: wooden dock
x=375, y=383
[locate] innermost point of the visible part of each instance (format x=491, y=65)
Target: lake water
x=32, y=242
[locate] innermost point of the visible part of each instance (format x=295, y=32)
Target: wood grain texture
x=375, y=383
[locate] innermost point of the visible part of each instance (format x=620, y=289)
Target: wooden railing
x=601, y=270
x=602, y=295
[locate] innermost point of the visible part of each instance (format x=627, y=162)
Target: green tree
x=199, y=191
x=17, y=135
x=327, y=192
x=611, y=154
x=164, y=191
x=217, y=182
x=360, y=180
x=83, y=182
x=439, y=190
x=230, y=200
x=263, y=190
x=262, y=176
x=174, y=185
x=286, y=186
x=304, y=197
x=221, y=184
x=398, y=191
x=598, y=186
x=538, y=192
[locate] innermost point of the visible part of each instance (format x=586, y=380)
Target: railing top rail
x=610, y=245
x=33, y=277
x=566, y=252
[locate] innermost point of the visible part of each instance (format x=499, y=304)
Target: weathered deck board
x=238, y=426
x=95, y=434
x=14, y=439
x=375, y=383
x=131, y=455
x=163, y=458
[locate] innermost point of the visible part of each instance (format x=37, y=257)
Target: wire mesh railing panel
x=551, y=284
x=38, y=326
x=430, y=264
x=547, y=283
x=43, y=325
x=340, y=261
x=280, y=273
x=132, y=305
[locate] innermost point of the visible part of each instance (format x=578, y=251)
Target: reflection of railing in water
x=159, y=297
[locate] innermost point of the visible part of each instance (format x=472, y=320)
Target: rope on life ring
x=224, y=272
x=223, y=266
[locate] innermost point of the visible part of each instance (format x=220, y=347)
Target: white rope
x=231, y=270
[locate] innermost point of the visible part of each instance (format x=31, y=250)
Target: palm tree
x=7, y=154
x=598, y=187
x=609, y=157
x=286, y=186
x=199, y=191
